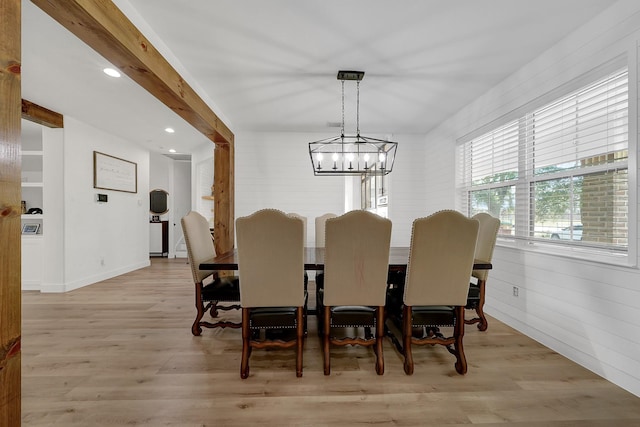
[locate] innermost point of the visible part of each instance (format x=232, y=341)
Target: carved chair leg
x=214, y=309
x=196, y=330
x=406, y=337
x=246, y=344
x=367, y=333
x=300, y=332
x=326, y=321
x=379, y=339
x=461, y=360
x=480, y=307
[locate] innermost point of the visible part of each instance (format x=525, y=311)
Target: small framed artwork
x=113, y=173
x=30, y=228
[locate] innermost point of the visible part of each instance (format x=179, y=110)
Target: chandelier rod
x=357, y=108
x=342, y=131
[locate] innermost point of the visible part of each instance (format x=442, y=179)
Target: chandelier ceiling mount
x=352, y=154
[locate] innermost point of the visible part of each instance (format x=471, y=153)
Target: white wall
x=587, y=311
x=101, y=240
x=408, y=187
x=273, y=170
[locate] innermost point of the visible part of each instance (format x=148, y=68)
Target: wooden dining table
x=314, y=260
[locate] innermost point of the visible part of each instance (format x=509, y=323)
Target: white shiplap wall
x=273, y=170
x=587, y=311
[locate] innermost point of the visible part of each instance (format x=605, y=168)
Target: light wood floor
x=121, y=352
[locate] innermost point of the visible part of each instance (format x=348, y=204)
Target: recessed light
x=111, y=72
x=169, y=130
x=171, y=150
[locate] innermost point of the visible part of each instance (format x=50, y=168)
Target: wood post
x=223, y=194
x=10, y=190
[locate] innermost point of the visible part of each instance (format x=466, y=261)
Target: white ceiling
x=272, y=65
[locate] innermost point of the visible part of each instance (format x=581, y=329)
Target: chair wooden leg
x=461, y=360
x=213, y=311
x=406, y=338
x=379, y=339
x=326, y=321
x=300, y=332
x=480, y=318
x=196, y=330
x=480, y=308
x=246, y=344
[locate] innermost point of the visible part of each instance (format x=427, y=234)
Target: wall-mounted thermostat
x=101, y=198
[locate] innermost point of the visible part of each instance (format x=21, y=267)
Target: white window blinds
x=558, y=172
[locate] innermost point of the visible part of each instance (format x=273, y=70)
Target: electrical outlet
x=516, y=291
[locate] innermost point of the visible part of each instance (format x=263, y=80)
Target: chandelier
x=348, y=154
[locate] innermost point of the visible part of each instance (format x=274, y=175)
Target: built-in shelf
x=31, y=216
x=32, y=236
x=32, y=187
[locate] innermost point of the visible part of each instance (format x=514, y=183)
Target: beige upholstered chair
x=271, y=263
x=222, y=289
x=320, y=228
x=355, y=267
x=487, y=235
x=304, y=220
x=320, y=238
x=437, y=283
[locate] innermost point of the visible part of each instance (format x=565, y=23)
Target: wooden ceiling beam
x=101, y=25
x=38, y=114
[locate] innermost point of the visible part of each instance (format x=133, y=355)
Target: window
x=556, y=174
x=374, y=193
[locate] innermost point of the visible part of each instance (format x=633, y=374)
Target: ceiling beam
x=38, y=114
x=102, y=26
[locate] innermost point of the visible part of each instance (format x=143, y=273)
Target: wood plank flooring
x=121, y=352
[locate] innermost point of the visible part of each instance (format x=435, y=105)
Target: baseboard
x=77, y=284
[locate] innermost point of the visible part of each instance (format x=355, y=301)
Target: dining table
x=314, y=260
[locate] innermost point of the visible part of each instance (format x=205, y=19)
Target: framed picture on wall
x=30, y=228
x=113, y=173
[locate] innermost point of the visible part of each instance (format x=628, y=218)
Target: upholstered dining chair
x=320, y=222
x=270, y=265
x=320, y=239
x=200, y=248
x=487, y=235
x=355, y=267
x=304, y=220
x=437, y=282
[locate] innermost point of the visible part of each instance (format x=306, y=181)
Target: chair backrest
x=199, y=242
x=320, y=228
x=487, y=235
x=440, y=259
x=304, y=220
x=270, y=259
x=356, y=261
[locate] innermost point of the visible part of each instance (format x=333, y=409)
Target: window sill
x=570, y=251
